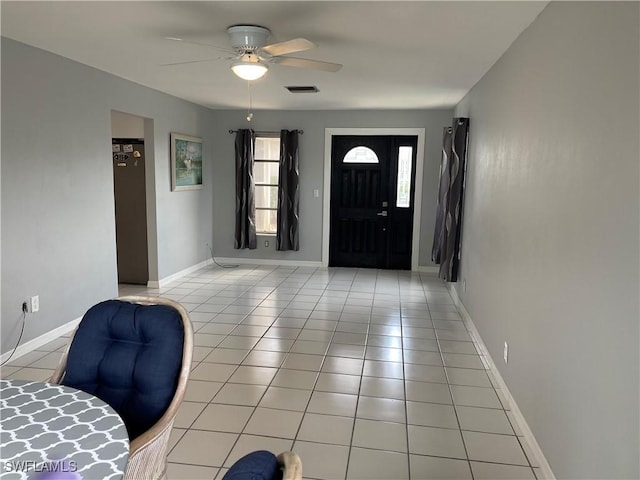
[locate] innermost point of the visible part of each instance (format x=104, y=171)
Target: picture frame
x=186, y=162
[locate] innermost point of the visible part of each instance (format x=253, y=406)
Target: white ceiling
x=404, y=55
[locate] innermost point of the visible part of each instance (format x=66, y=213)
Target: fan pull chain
x=249, y=112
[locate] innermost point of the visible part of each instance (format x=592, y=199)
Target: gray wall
x=124, y=125
x=58, y=230
x=550, y=239
x=312, y=171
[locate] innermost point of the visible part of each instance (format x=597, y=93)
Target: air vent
x=303, y=89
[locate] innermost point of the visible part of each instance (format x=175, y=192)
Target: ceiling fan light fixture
x=248, y=37
x=249, y=70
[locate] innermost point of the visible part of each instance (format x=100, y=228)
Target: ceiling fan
x=251, y=55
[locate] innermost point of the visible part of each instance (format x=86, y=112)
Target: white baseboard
x=43, y=339
x=532, y=444
x=424, y=269
x=296, y=263
x=233, y=261
x=164, y=281
x=267, y=261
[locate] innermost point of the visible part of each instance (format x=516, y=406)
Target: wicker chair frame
x=291, y=466
x=148, y=452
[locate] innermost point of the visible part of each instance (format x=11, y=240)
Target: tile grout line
x=226, y=382
x=255, y=408
x=223, y=383
x=453, y=403
x=313, y=388
x=404, y=385
x=353, y=427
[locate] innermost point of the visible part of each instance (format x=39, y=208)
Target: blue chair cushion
x=129, y=356
x=259, y=465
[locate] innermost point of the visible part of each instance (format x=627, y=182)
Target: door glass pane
x=360, y=155
x=266, y=221
x=266, y=172
x=266, y=197
x=403, y=199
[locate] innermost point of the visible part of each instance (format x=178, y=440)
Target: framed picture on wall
x=186, y=162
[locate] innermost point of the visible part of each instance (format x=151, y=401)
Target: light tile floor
x=366, y=374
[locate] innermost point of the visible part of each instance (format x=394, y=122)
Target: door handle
x=382, y=213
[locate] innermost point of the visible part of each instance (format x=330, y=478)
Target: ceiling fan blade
x=304, y=63
x=290, y=46
x=190, y=42
x=190, y=61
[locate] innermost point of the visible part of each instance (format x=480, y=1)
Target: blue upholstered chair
x=263, y=465
x=134, y=353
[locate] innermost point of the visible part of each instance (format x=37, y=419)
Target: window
x=266, y=172
x=360, y=155
x=403, y=192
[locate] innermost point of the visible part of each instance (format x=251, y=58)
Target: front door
x=372, y=190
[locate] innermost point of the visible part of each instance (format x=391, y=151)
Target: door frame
x=150, y=193
x=417, y=195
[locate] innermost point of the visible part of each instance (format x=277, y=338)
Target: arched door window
x=360, y=155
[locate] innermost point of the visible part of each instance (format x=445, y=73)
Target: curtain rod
x=301, y=132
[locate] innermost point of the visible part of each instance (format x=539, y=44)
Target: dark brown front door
x=372, y=189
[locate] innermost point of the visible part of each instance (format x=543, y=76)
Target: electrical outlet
x=464, y=286
x=266, y=243
x=35, y=303
x=505, y=353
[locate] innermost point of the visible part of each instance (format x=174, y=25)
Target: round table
x=53, y=431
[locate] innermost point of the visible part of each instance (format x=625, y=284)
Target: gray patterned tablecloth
x=56, y=432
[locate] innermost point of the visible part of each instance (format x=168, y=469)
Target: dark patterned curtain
x=245, y=235
x=449, y=255
x=288, y=192
x=438, y=235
